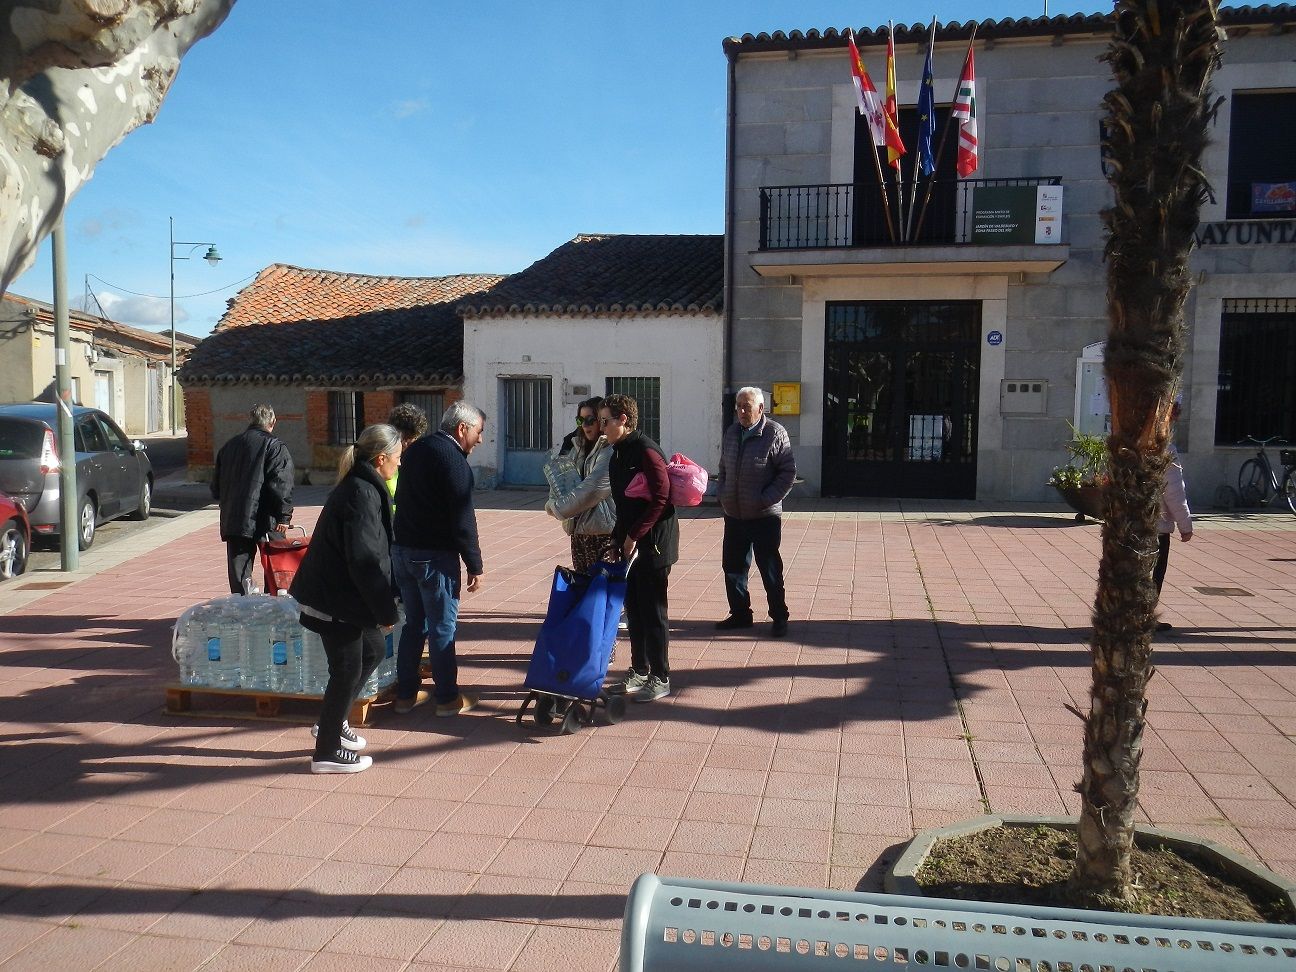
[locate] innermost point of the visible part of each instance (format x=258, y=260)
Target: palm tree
x=1162, y=56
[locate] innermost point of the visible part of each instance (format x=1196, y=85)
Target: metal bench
x=677, y=924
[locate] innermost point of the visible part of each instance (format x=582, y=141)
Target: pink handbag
x=688, y=482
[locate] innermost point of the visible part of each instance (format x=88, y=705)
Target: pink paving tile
x=661, y=803
x=513, y=792
x=215, y=916
x=801, y=785
x=535, y=858
x=732, y=781
x=794, y=874
x=46, y=851
x=614, y=865
x=709, y=867
x=709, y=837
x=99, y=820
x=548, y=823
x=942, y=771
x=946, y=796
x=872, y=820
x=1025, y=799
x=345, y=808
x=383, y=934
x=263, y=873
x=791, y=844
x=424, y=891
x=633, y=832
x=439, y=785
x=346, y=880
x=458, y=852
x=473, y=818
x=812, y=815
x=337, y=962
x=291, y=924
x=577, y=949
x=155, y=953
x=586, y=903
x=302, y=837
x=259, y=958
x=16, y=935
x=487, y=944
x=1259, y=813
x=421, y=814
x=63, y=947
x=580, y=796
x=113, y=860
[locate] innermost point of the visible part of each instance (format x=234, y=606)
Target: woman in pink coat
x=1175, y=515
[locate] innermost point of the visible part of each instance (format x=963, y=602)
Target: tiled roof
x=614, y=274
x=299, y=326
x=109, y=333
x=987, y=30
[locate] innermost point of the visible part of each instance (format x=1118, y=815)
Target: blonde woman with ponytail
x=344, y=588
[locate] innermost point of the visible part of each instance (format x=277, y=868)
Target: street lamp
x=213, y=258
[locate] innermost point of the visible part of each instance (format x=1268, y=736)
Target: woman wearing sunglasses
x=586, y=510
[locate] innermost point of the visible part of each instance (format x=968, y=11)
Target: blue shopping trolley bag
x=574, y=648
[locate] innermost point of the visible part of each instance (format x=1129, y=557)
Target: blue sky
x=426, y=137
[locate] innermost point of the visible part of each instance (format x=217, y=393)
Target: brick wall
x=377, y=406
x=198, y=412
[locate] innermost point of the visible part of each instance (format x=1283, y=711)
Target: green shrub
x=1086, y=465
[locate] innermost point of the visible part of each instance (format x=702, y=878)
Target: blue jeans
x=763, y=536
x=429, y=586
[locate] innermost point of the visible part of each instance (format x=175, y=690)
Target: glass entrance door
x=901, y=398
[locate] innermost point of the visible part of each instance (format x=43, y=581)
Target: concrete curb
x=901, y=876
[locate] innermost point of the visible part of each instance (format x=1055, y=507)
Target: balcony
x=965, y=226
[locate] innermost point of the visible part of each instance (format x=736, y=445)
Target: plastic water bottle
x=285, y=658
x=314, y=664
x=222, y=631
x=385, y=673
x=188, y=648
x=254, y=616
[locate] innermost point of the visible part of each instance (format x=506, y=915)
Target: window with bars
x=647, y=395
x=528, y=414
x=1256, y=390
x=432, y=403
x=346, y=417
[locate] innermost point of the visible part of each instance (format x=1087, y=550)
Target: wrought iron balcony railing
x=846, y=215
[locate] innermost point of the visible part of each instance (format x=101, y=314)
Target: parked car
x=15, y=537
x=113, y=474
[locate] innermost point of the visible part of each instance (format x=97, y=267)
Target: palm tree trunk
x=1162, y=56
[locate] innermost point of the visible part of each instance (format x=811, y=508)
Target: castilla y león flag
x=894, y=144
x=866, y=95
x=964, y=109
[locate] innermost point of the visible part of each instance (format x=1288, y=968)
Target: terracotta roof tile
x=614, y=274
x=293, y=325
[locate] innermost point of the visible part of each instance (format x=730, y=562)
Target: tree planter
x=1086, y=500
x=901, y=877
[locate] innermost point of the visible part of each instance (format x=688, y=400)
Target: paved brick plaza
x=933, y=650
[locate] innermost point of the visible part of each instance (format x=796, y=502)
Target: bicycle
x=1258, y=482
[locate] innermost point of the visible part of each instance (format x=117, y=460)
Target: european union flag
x=926, y=118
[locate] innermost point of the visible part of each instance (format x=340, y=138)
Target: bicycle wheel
x=1289, y=490
x=1252, y=483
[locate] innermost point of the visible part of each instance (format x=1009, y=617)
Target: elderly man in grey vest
x=756, y=472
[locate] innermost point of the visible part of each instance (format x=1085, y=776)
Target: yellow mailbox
x=786, y=396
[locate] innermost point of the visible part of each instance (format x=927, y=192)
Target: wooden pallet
x=267, y=705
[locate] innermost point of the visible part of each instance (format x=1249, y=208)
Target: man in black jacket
x=436, y=527
x=253, y=483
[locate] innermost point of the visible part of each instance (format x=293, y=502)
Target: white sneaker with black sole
x=350, y=740
x=343, y=761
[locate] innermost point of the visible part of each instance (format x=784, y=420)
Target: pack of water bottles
x=257, y=642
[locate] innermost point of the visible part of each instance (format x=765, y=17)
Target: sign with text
x=1017, y=214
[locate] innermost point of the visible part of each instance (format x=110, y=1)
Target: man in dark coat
x=253, y=483
x=435, y=528
x=756, y=472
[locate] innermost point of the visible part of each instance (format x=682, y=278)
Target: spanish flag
x=894, y=144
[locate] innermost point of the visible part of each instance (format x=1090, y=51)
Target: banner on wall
x=1017, y=214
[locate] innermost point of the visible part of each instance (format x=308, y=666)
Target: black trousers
x=353, y=654
x=645, y=608
x=1163, y=561
x=741, y=538
x=240, y=554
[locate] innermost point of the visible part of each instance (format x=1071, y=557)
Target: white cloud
x=410, y=106
x=146, y=312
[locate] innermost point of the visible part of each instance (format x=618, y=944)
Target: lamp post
x=212, y=258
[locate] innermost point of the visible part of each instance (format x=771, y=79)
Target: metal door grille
x=528, y=414
x=647, y=395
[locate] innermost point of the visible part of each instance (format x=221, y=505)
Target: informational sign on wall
x=1017, y=214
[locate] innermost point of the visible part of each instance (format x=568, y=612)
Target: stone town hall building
x=950, y=365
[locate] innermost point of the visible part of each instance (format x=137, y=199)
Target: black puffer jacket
x=253, y=482
x=346, y=573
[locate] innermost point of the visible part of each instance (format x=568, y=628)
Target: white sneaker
x=632, y=684
x=350, y=740
x=343, y=761
x=657, y=688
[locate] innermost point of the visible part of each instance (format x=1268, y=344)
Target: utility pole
x=69, y=527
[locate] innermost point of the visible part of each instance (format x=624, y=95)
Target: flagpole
x=913, y=189
x=944, y=134
x=877, y=167
x=895, y=120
